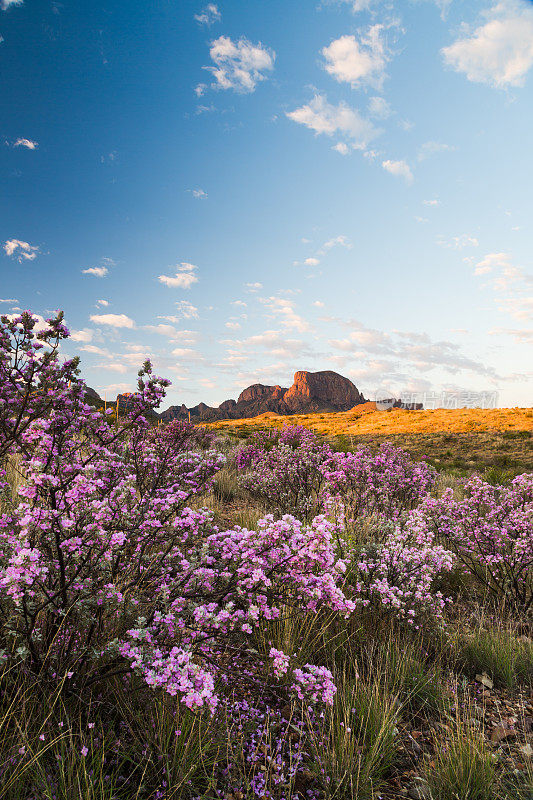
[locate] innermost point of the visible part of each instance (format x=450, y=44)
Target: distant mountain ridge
x=310, y=392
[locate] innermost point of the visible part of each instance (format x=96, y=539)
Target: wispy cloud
x=5, y=4
x=325, y=118
x=238, y=65
x=198, y=194
x=183, y=279
x=27, y=143
x=432, y=148
x=22, y=251
x=209, y=15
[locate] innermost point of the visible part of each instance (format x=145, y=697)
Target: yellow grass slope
x=365, y=419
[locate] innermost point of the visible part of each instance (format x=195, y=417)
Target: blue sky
x=243, y=189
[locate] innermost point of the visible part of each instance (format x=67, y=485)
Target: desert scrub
x=356, y=747
x=462, y=767
x=505, y=657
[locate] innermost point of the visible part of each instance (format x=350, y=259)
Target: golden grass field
x=365, y=419
x=463, y=440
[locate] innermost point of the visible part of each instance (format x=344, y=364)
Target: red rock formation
x=327, y=390
x=311, y=391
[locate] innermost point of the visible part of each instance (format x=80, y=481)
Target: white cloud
x=311, y=262
x=379, y=108
x=84, y=335
x=431, y=202
x=522, y=336
x=458, y=242
x=171, y=333
x=102, y=303
x=342, y=148
x=253, y=287
x=98, y=272
x=358, y=62
x=22, y=251
x=113, y=320
x=8, y=300
x=498, y=52
x=492, y=261
x=118, y=388
x=323, y=117
x=183, y=279
x=233, y=326
x=432, y=148
x=5, y=4
x=240, y=303
x=187, y=310
x=399, y=168
x=93, y=349
x=518, y=307
x=318, y=304
x=27, y=143
x=284, y=308
x=239, y=65
x=209, y=15
x=114, y=366
x=337, y=241
x=199, y=194
x=187, y=354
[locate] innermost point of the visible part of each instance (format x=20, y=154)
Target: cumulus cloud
x=27, y=143
x=98, y=272
x=239, y=65
x=209, y=15
x=360, y=61
x=323, y=117
x=22, y=251
x=183, y=279
x=84, y=335
x=500, y=51
x=113, y=320
x=102, y=303
x=399, y=168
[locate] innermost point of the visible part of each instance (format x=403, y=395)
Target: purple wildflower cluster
x=284, y=470
x=105, y=569
x=387, y=483
x=490, y=531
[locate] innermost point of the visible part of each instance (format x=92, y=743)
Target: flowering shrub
x=286, y=476
x=104, y=570
x=387, y=483
x=491, y=533
x=399, y=574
